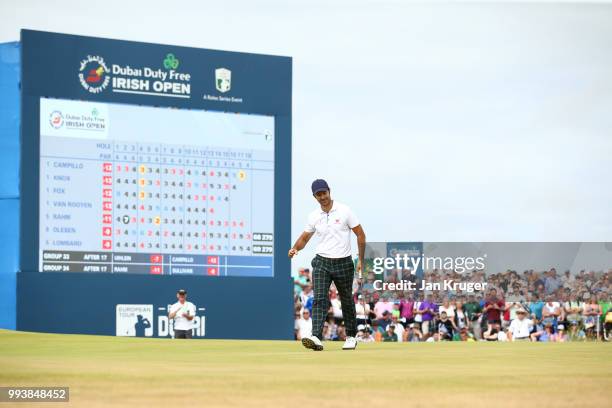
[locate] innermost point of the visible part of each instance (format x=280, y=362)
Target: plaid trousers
x=341, y=271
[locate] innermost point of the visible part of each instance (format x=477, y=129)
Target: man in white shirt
x=332, y=223
x=183, y=313
x=521, y=326
x=304, y=325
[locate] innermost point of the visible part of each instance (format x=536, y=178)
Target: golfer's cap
x=523, y=311
x=360, y=297
x=319, y=185
x=361, y=327
x=392, y=325
x=182, y=292
x=561, y=327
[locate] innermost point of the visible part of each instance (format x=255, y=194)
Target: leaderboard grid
x=118, y=194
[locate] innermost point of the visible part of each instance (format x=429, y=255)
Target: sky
x=433, y=121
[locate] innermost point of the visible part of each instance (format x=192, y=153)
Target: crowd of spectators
x=542, y=306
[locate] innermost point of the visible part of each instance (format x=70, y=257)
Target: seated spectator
x=575, y=333
x=390, y=334
x=537, y=330
x=385, y=320
x=503, y=334
x=548, y=335
x=304, y=326
x=561, y=335
x=336, y=305
x=492, y=332
x=445, y=327
x=330, y=328
x=296, y=324
x=308, y=304
x=364, y=335
x=341, y=332
x=464, y=335
x=377, y=331
x=399, y=329
x=413, y=334
x=520, y=328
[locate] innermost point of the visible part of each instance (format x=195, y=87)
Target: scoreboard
x=142, y=169
x=150, y=190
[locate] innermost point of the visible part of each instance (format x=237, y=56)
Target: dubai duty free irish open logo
x=94, y=74
x=56, y=119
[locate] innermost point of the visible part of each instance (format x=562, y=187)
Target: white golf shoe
x=313, y=343
x=350, y=344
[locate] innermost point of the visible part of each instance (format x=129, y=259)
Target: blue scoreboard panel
x=151, y=190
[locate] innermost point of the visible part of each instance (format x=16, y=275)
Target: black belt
x=336, y=260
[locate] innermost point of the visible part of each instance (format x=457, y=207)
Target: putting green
x=111, y=371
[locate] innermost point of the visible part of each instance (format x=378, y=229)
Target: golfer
x=332, y=223
x=183, y=313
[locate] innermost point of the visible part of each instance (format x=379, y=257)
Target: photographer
x=493, y=309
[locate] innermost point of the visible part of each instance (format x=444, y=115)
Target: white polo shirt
x=180, y=322
x=520, y=328
x=333, y=230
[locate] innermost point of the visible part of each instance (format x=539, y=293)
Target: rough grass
x=111, y=371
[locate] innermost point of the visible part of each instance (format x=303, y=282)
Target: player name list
x=125, y=207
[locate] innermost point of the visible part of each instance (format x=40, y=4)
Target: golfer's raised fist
x=292, y=252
